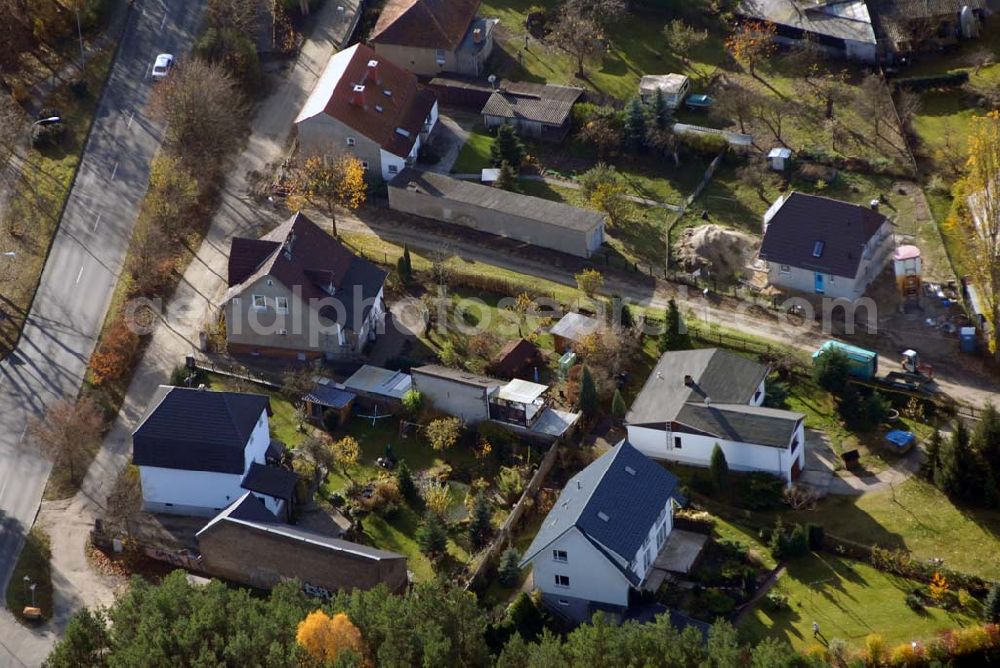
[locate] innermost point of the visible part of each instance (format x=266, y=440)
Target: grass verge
x=33, y=564
x=39, y=196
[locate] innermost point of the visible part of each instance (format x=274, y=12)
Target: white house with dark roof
x=695, y=399
x=198, y=451
x=824, y=246
x=602, y=536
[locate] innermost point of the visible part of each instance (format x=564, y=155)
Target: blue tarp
x=900, y=439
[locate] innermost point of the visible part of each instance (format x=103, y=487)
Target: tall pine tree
x=933, y=461
x=719, y=468
x=674, y=335
x=588, y=394
x=480, y=525
x=986, y=439
x=507, y=147
x=660, y=111
x=634, y=131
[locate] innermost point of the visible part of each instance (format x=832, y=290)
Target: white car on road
x=162, y=66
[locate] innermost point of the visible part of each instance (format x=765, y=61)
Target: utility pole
x=79, y=33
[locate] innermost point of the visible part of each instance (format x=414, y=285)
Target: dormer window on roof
x=818, y=248
x=378, y=108
x=603, y=516
x=403, y=132
x=629, y=470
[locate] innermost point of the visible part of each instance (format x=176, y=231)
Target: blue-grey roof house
x=603, y=534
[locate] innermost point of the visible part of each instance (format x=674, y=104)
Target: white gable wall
x=591, y=576
x=696, y=450
x=205, y=493
x=202, y=493
x=642, y=563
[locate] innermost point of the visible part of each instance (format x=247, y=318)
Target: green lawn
x=475, y=153
x=37, y=198
x=33, y=563
x=639, y=239
x=849, y=600
x=636, y=47
x=917, y=517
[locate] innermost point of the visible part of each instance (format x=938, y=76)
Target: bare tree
x=318, y=450
x=772, y=112
x=243, y=16
x=908, y=105
x=681, y=38
x=579, y=35
x=737, y=103
x=603, y=12
x=125, y=500
x=204, y=111
x=67, y=434
x=872, y=100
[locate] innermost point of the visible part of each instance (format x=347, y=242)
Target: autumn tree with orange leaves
x=330, y=181
x=324, y=638
x=752, y=41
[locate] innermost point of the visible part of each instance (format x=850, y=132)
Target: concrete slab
x=680, y=551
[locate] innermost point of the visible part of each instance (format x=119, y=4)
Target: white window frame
x=351, y=141
x=278, y=304
x=263, y=302
x=393, y=169
x=440, y=56
x=562, y=581
x=236, y=301
x=784, y=269
x=560, y=556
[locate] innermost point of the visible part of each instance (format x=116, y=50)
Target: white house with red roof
x=370, y=108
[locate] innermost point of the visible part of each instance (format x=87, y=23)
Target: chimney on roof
x=477, y=35
x=688, y=380
x=374, y=74
x=358, y=96
x=201, y=387
x=874, y=204
x=708, y=401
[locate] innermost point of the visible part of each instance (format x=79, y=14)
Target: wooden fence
x=233, y=370
x=488, y=557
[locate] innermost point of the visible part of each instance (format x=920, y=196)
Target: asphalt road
x=85, y=260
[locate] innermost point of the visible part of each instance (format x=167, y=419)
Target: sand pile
x=722, y=252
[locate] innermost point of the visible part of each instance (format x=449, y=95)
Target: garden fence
x=489, y=555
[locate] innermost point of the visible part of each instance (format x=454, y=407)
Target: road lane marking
x=80, y=275
x=114, y=171
x=97, y=222
x=131, y=116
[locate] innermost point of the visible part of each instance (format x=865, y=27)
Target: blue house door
x=819, y=284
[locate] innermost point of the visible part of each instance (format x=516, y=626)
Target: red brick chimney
x=358, y=96
x=374, y=73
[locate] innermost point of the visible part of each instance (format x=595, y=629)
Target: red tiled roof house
x=431, y=36
x=366, y=106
